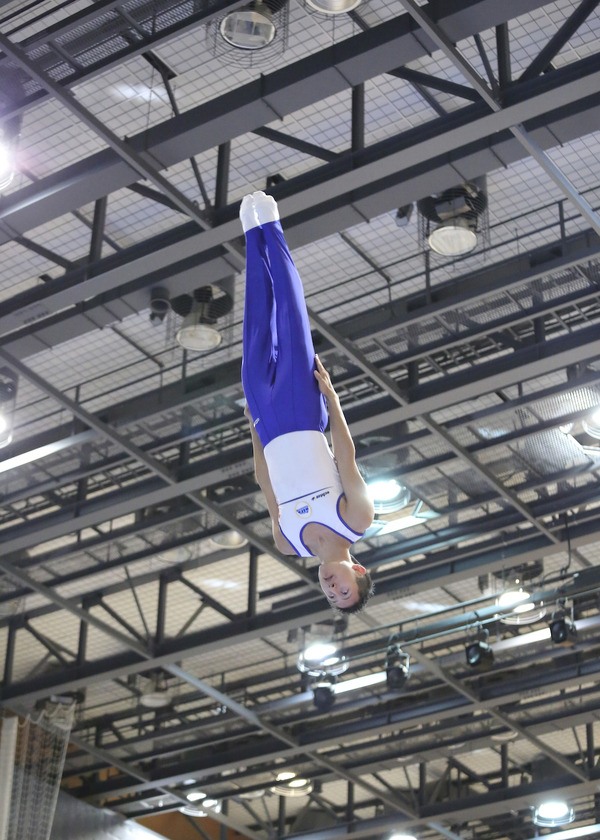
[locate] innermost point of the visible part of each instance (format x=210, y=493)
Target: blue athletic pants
x=278, y=354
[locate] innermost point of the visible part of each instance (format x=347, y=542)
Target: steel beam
x=348, y=63
x=441, y=39
x=386, y=177
x=542, y=60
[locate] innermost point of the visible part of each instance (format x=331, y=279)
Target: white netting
x=37, y=746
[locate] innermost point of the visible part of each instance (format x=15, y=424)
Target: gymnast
x=317, y=499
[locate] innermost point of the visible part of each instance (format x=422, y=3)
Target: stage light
x=479, y=653
x=397, y=668
x=323, y=695
x=562, y=629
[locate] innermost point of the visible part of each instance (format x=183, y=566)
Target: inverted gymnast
x=317, y=499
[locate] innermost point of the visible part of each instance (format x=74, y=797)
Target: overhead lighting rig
x=478, y=651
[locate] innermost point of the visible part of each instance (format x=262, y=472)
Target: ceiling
x=469, y=379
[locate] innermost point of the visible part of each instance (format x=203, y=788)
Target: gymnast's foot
x=266, y=207
x=248, y=216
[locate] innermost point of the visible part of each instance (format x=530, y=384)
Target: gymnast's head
x=346, y=584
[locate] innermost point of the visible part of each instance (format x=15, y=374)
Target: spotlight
x=562, y=630
x=553, y=813
x=403, y=214
x=324, y=695
x=479, y=653
x=397, y=668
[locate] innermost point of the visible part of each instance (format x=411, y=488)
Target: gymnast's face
x=338, y=581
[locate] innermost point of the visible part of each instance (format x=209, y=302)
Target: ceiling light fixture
x=200, y=312
x=8, y=397
x=333, y=7
x=249, y=28
x=592, y=423
x=453, y=238
x=388, y=495
x=553, y=813
x=292, y=787
x=12, y=92
x=212, y=805
x=322, y=659
x=229, y=539
x=195, y=795
x=513, y=590
x=455, y=214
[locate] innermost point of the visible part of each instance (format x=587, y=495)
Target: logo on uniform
x=303, y=510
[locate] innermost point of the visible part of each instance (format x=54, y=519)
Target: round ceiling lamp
x=388, y=495
x=452, y=218
x=156, y=699
x=291, y=785
x=453, y=238
x=333, y=7
x=553, y=813
x=229, y=539
x=212, y=806
x=192, y=335
x=249, y=28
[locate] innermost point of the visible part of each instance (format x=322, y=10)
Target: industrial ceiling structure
x=138, y=573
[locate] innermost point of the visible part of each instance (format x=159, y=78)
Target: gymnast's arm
x=264, y=481
x=359, y=505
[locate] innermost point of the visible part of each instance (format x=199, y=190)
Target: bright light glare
x=285, y=776
x=319, y=651
x=553, y=810
x=7, y=166
x=385, y=491
x=512, y=597
x=3, y=423
x=195, y=796
x=523, y=608
x=402, y=837
x=296, y=783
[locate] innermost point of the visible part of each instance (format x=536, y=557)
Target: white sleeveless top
x=307, y=486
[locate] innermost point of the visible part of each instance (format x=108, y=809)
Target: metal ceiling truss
x=504, y=121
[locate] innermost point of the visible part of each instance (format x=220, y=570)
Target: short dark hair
x=365, y=590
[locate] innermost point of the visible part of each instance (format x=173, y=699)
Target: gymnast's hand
x=324, y=380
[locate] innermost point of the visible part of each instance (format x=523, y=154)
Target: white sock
x=248, y=216
x=266, y=207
